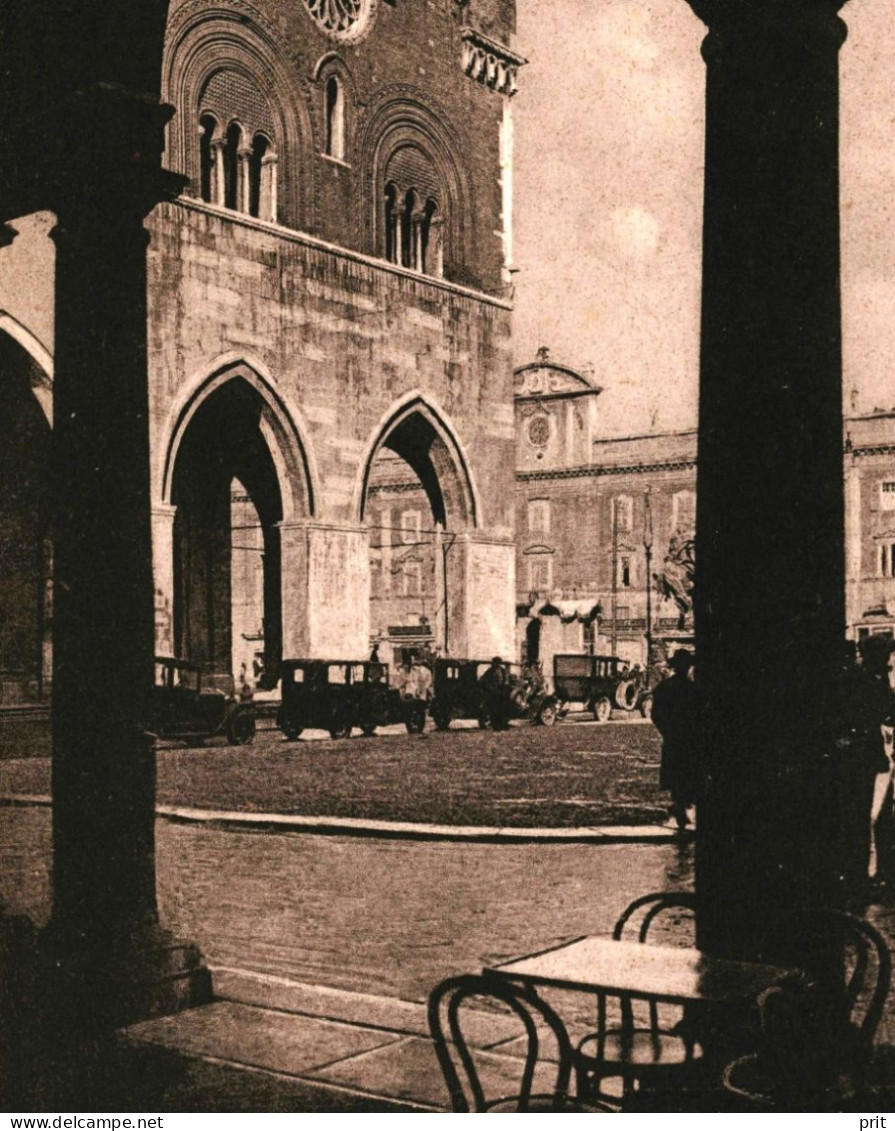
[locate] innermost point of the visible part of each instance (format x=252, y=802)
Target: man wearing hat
x=674, y=716
x=495, y=684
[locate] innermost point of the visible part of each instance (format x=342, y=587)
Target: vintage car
x=192, y=703
x=338, y=695
x=599, y=683
x=458, y=694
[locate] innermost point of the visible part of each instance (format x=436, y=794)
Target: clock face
x=346, y=20
x=539, y=431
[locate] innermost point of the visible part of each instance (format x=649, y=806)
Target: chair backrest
x=457, y=1061
x=857, y=964
x=641, y=916
x=662, y=912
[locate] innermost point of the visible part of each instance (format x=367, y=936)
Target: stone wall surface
x=340, y=346
x=343, y=341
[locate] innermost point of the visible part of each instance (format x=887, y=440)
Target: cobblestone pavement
x=573, y=774
x=384, y=916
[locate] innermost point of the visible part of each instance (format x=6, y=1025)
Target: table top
x=658, y=973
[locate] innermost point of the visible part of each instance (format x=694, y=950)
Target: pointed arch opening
x=26, y=550
x=417, y=501
x=235, y=471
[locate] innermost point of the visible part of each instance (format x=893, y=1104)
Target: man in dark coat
x=868, y=705
x=495, y=686
x=674, y=716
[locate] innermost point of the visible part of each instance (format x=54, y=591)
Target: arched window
x=413, y=229
x=262, y=179
x=260, y=146
x=335, y=118
x=208, y=153
x=432, y=258
x=392, y=234
x=408, y=242
x=232, y=194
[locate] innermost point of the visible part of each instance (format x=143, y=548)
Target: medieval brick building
x=330, y=290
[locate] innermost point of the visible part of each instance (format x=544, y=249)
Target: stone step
x=356, y=1044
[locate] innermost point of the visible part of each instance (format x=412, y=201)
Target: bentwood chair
x=466, y=1079
x=818, y=1030
x=652, y=1046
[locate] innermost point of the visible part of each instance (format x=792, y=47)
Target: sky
x=608, y=202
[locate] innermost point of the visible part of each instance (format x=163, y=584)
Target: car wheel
x=241, y=728
x=441, y=719
x=547, y=714
x=483, y=721
x=368, y=729
x=340, y=728
x=646, y=706
x=602, y=710
x=626, y=695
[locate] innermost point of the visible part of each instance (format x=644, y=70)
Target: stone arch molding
x=42, y=357
x=280, y=425
x=224, y=38
x=405, y=118
x=450, y=462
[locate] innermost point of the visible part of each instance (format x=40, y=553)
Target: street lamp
x=648, y=550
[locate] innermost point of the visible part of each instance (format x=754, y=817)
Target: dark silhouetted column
x=104, y=937
x=769, y=595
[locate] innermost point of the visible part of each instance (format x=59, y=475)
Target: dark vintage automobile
x=458, y=694
x=338, y=695
x=191, y=703
x=599, y=683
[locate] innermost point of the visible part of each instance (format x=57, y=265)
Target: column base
x=64, y=996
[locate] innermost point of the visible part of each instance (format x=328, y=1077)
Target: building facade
x=870, y=524
x=329, y=293
x=604, y=527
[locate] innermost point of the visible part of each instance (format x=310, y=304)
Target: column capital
x=99, y=151
x=764, y=20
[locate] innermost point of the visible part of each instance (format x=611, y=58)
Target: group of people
x=862, y=720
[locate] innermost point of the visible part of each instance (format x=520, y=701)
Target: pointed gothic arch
x=235, y=470
x=417, y=428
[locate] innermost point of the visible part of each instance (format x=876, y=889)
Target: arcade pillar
x=109, y=955
x=769, y=611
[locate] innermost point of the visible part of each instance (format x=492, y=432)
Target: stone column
x=267, y=205
x=294, y=589
x=163, y=576
x=326, y=590
x=244, y=178
x=219, y=171
x=107, y=954
x=481, y=596
x=769, y=610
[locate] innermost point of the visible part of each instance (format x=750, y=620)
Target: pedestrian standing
x=674, y=715
x=495, y=684
x=862, y=766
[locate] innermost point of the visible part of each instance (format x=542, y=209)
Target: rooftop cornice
x=594, y=471
x=561, y=395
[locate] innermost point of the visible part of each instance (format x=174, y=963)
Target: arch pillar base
x=326, y=590
x=481, y=579
x=163, y=576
